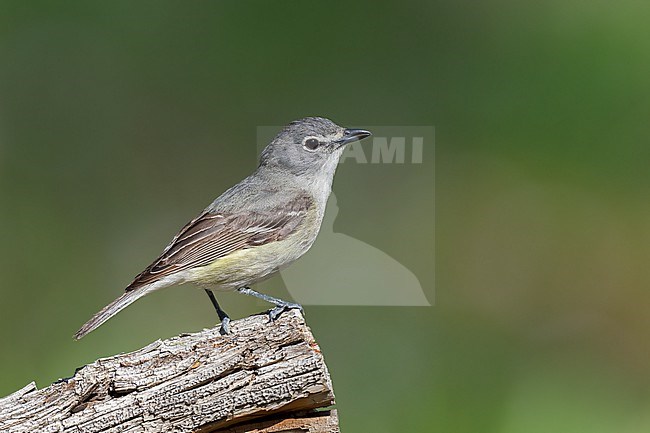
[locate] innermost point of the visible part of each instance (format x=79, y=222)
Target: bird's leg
x=280, y=305
x=225, y=320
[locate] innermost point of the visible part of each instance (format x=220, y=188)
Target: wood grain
x=263, y=377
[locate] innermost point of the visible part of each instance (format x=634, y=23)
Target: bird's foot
x=282, y=307
x=224, y=329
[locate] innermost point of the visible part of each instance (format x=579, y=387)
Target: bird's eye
x=311, y=144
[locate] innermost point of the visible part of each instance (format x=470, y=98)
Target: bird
x=254, y=229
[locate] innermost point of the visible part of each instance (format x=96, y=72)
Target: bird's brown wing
x=212, y=235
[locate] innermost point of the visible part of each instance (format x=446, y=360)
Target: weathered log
x=263, y=377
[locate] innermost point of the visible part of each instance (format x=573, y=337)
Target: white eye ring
x=311, y=143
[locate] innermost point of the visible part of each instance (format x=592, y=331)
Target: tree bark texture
x=263, y=377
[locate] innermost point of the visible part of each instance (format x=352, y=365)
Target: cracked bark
x=263, y=378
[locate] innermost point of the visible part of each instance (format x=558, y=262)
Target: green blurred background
x=119, y=121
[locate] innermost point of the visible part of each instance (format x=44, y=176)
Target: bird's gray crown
x=309, y=125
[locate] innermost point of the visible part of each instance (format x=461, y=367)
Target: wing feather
x=213, y=235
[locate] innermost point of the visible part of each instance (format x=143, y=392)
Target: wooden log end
x=263, y=377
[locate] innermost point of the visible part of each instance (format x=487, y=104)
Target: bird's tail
x=111, y=309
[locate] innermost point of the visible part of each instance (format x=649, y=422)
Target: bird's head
x=309, y=145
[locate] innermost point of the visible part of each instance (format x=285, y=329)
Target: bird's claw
x=224, y=329
x=281, y=308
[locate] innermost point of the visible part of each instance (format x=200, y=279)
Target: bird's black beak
x=350, y=135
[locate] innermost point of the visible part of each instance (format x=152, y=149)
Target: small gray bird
x=254, y=229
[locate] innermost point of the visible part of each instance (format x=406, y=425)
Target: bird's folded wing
x=213, y=235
